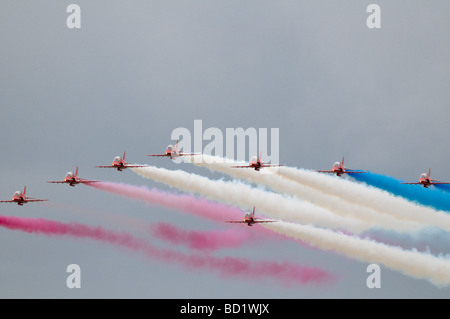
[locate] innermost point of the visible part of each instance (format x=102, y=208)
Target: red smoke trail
x=288, y=273
x=200, y=240
x=186, y=203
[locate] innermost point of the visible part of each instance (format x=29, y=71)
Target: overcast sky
x=137, y=70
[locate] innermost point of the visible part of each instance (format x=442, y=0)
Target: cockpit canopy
x=248, y=215
x=117, y=159
x=336, y=164
x=254, y=159
x=169, y=147
x=69, y=174
x=423, y=175
x=17, y=193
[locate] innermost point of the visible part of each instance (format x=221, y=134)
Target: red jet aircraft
x=120, y=164
x=250, y=219
x=339, y=169
x=72, y=179
x=256, y=163
x=21, y=198
x=172, y=151
x=426, y=181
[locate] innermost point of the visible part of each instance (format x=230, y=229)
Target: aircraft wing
x=173, y=155
x=105, y=166
x=35, y=200
x=259, y=220
x=339, y=172
x=438, y=183
x=250, y=166
x=264, y=221
x=184, y=154
x=413, y=183
x=271, y=165
x=87, y=181
x=7, y=201
x=236, y=221
x=126, y=166
x=76, y=182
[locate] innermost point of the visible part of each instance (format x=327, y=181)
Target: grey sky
x=136, y=70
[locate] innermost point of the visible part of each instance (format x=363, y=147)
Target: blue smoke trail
x=444, y=187
x=431, y=196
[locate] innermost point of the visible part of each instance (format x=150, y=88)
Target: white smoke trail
x=368, y=196
x=409, y=262
x=328, y=201
x=236, y=193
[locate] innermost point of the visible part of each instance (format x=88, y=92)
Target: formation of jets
x=172, y=151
